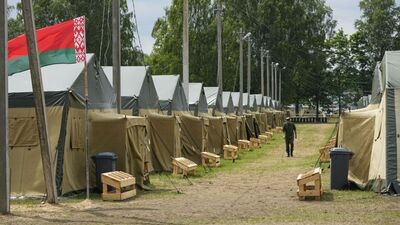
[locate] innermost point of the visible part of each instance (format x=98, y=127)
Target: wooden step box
x=230, y=152
x=183, y=166
x=263, y=138
x=123, y=185
x=209, y=159
x=310, y=184
x=255, y=143
x=269, y=134
x=244, y=145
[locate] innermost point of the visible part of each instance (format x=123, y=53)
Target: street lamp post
x=242, y=37
x=276, y=81
x=268, y=74
x=248, y=72
x=272, y=80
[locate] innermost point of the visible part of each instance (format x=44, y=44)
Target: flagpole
x=86, y=83
x=87, y=132
x=40, y=106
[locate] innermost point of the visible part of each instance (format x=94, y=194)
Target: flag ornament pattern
x=58, y=44
x=79, y=39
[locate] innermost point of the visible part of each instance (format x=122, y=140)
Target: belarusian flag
x=57, y=44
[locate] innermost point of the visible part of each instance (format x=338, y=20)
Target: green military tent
x=197, y=99
x=372, y=132
x=227, y=103
x=63, y=86
x=170, y=93
x=138, y=93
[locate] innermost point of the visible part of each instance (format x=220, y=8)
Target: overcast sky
x=344, y=11
x=147, y=12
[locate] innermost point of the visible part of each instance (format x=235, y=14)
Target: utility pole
x=276, y=81
x=268, y=74
x=116, y=52
x=4, y=156
x=240, y=111
x=185, y=59
x=262, y=71
x=38, y=95
x=219, y=42
x=280, y=85
x=272, y=80
x=248, y=72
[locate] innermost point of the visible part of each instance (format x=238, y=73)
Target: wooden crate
x=210, y=159
x=123, y=185
x=255, y=143
x=278, y=129
x=230, y=152
x=269, y=134
x=263, y=138
x=244, y=145
x=325, y=154
x=184, y=166
x=310, y=184
x=325, y=151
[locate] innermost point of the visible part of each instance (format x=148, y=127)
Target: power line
x=138, y=35
x=102, y=29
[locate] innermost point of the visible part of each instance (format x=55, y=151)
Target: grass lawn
x=258, y=188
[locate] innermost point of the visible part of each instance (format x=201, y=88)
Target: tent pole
x=4, y=154
x=37, y=87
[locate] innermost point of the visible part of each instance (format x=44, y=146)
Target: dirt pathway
x=260, y=190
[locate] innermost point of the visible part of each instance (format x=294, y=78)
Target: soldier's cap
x=287, y=118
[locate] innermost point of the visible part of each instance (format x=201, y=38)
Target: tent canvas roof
x=132, y=78
x=225, y=98
x=391, y=69
x=165, y=86
x=236, y=96
x=259, y=99
x=57, y=77
x=211, y=95
x=194, y=92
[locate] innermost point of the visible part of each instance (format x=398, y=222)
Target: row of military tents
x=156, y=123
x=372, y=133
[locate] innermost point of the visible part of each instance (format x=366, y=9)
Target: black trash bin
x=340, y=158
x=105, y=162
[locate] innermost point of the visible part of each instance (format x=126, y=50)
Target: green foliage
x=343, y=76
x=377, y=32
x=288, y=29
x=320, y=63
x=98, y=25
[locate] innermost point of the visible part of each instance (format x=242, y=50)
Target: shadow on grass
x=327, y=196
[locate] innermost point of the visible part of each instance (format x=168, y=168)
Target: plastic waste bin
x=105, y=162
x=340, y=158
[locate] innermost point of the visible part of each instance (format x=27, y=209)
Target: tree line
x=323, y=65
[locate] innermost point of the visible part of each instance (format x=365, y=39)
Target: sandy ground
x=261, y=191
